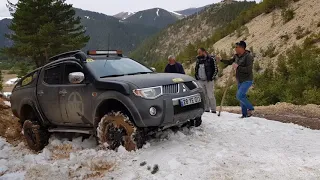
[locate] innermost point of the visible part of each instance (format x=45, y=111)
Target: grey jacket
x=245, y=62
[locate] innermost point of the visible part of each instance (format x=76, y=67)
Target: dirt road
x=307, y=115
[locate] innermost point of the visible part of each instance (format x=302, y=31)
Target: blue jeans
x=242, y=97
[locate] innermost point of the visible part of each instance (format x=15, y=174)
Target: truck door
x=48, y=92
x=76, y=100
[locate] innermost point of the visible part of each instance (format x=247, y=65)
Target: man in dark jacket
x=242, y=62
x=173, y=66
x=205, y=72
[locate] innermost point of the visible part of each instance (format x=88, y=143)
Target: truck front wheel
x=36, y=137
x=115, y=129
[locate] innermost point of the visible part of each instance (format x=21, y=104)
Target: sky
x=111, y=7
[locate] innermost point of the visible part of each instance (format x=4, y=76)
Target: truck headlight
x=148, y=93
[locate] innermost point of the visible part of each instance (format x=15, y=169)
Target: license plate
x=190, y=100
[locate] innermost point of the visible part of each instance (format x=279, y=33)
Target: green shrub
x=270, y=51
x=256, y=66
x=230, y=99
x=287, y=15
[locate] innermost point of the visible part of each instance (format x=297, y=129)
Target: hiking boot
x=242, y=117
x=207, y=111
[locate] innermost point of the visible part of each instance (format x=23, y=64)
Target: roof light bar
x=103, y=52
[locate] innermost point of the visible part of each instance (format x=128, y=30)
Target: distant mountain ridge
x=155, y=17
x=123, y=35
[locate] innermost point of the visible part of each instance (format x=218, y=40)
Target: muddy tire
x=115, y=129
x=196, y=122
x=36, y=136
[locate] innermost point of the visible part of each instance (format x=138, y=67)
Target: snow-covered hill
x=224, y=147
x=155, y=17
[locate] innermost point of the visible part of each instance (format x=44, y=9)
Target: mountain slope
x=191, y=11
x=176, y=37
x=125, y=36
x=123, y=15
x=122, y=36
x=4, y=42
x=269, y=36
x=156, y=17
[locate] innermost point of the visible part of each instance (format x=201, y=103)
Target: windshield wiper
x=139, y=73
x=116, y=75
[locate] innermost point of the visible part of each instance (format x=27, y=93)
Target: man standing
x=173, y=66
x=205, y=72
x=242, y=62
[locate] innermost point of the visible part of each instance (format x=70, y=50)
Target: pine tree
x=44, y=28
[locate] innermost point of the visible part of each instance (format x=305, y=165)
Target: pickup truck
x=104, y=94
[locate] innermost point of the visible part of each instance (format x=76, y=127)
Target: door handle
x=63, y=92
x=40, y=93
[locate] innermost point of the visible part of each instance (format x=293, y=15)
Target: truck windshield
x=118, y=67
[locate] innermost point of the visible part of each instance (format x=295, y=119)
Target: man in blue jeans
x=242, y=62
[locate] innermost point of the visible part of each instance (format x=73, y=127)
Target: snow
x=225, y=147
x=12, y=81
x=7, y=103
x=158, y=12
x=87, y=17
x=177, y=14
x=7, y=94
x=140, y=16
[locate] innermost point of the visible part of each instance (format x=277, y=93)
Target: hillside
x=125, y=36
x=155, y=17
x=269, y=36
x=4, y=30
x=123, y=15
x=191, y=11
x=194, y=28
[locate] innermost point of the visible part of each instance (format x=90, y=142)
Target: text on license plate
x=190, y=100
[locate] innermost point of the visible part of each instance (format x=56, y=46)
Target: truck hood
x=151, y=80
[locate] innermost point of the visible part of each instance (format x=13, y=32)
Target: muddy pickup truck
x=104, y=94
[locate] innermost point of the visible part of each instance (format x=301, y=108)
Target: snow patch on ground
x=140, y=16
x=12, y=81
x=223, y=147
x=7, y=103
x=158, y=12
x=87, y=17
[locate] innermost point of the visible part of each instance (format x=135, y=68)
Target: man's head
x=172, y=59
x=241, y=47
x=202, y=52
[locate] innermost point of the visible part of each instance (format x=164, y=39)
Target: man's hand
x=235, y=66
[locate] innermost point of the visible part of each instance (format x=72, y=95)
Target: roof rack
x=78, y=54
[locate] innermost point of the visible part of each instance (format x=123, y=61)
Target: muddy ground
x=306, y=115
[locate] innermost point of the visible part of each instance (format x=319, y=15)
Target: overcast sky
x=111, y=7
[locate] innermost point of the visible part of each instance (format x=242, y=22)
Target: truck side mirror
x=153, y=69
x=76, y=77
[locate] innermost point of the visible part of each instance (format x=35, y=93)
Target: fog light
x=153, y=111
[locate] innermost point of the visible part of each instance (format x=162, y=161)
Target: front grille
x=178, y=109
x=171, y=89
x=190, y=85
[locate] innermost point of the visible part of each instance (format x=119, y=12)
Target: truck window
x=52, y=75
x=70, y=68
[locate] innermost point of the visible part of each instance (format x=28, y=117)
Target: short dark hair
x=242, y=44
x=203, y=49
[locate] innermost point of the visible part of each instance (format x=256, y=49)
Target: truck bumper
x=169, y=112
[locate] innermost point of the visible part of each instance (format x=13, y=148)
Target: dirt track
x=307, y=116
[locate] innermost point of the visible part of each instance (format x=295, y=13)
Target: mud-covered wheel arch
x=116, y=129
x=36, y=136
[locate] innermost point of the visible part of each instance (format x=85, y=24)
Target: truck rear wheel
x=36, y=137
x=116, y=129
x=196, y=122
